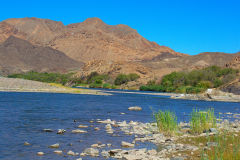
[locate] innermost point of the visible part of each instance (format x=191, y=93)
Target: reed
x=227, y=148
x=202, y=120
x=166, y=122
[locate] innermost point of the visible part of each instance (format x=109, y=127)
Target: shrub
x=166, y=122
x=123, y=78
x=133, y=76
x=107, y=85
x=95, y=85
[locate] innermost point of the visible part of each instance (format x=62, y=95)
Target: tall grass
x=166, y=122
x=202, y=120
x=227, y=148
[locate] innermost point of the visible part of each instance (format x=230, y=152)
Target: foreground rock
x=135, y=108
x=78, y=131
x=54, y=145
x=40, y=153
x=127, y=145
x=91, y=152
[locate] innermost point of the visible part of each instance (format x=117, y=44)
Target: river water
x=23, y=116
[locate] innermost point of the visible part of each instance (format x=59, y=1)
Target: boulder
x=58, y=152
x=61, y=131
x=54, y=145
x=91, y=152
x=40, y=153
x=127, y=145
x=135, y=108
x=82, y=126
x=78, y=131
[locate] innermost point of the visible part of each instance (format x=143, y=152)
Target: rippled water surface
x=23, y=116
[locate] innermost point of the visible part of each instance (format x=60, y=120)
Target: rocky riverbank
x=21, y=85
x=210, y=95
x=180, y=146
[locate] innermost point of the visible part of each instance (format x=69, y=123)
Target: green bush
x=95, y=85
x=44, y=77
x=123, y=78
x=107, y=86
x=195, y=81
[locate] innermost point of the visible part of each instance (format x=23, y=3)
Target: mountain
x=108, y=49
x=90, y=40
x=17, y=55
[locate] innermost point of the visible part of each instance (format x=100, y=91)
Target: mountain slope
x=17, y=55
x=90, y=40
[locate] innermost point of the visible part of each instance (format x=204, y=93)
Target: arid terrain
x=44, y=45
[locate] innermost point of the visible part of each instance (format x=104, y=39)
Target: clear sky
x=187, y=26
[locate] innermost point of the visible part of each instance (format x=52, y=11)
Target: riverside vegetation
x=93, y=80
x=221, y=145
x=195, y=81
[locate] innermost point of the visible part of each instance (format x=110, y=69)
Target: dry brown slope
x=17, y=55
x=86, y=41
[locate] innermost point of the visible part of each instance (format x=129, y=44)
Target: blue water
x=23, y=116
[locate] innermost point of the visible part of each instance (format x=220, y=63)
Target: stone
x=47, y=130
x=105, y=154
x=82, y=126
x=71, y=153
x=58, y=152
x=212, y=144
x=61, y=131
x=78, y=131
x=135, y=108
x=92, y=152
x=26, y=144
x=127, y=145
x=79, y=159
x=177, y=158
x=54, y=145
x=109, y=145
x=40, y=153
x=213, y=130
x=94, y=145
x=96, y=129
x=152, y=152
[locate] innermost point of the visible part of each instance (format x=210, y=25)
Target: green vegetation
x=166, y=122
x=195, y=81
x=202, y=120
x=44, y=77
x=123, y=78
x=93, y=80
x=227, y=147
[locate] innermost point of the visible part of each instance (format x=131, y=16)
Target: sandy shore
x=21, y=85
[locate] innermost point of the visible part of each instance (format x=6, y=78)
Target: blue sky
x=187, y=26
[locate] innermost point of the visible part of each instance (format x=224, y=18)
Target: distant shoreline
x=22, y=85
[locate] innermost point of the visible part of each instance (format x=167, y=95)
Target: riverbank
x=21, y=85
x=210, y=95
x=182, y=146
